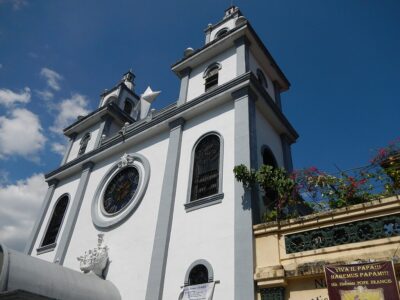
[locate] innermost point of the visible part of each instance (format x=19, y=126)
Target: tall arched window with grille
x=206, y=167
x=211, y=76
x=55, y=223
x=84, y=142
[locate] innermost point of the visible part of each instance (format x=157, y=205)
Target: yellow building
x=291, y=254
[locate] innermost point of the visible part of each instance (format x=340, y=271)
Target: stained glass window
x=55, y=221
x=206, y=168
x=198, y=275
x=120, y=190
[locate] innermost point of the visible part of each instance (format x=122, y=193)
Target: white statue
x=126, y=160
x=96, y=260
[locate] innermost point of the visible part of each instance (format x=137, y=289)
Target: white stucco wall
x=227, y=60
x=254, y=65
x=94, y=131
x=110, y=97
x=229, y=24
x=130, y=242
x=68, y=186
x=206, y=233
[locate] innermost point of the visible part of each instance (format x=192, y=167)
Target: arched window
x=221, y=33
x=198, y=275
x=200, y=271
x=261, y=79
x=56, y=219
x=84, y=143
x=269, y=160
x=211, y=76
x=128, y=107
x=268, y=157
x=205, y=180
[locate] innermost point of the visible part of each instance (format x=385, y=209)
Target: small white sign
x=202, y=291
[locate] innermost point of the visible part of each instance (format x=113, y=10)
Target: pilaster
x=242, y=55
x=184, y=75
x=244, y=153
x=287, y=152
x=70, y=143
x=155, y=283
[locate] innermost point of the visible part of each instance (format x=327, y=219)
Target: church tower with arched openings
x=145, y=204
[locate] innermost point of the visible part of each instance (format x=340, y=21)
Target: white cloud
x=16, y=4
x=20, y=203
x=68, y=111
x=21, y=134
x=8, y=97
x=1, y=66
x=58, y=148
x=52, y=77
x=45, y=95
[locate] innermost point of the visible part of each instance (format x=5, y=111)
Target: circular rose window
x=120, y=190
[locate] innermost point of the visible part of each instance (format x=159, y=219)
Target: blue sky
x=56, y=57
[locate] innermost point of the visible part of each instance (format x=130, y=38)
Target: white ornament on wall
x=126, y=160
x=95, y=261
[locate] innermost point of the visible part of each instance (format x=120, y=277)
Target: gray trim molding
x=185, y=76
x=243, y=239
x=200, y=262
x=287, y=152
x=47, y=248
x=189, y=205
x=155, y=283
x=277, y=93
x=99, y=218
x=70, y=143
x=39, y=221
x=50, y=247
x=73, y=214
x=172, y=111
x=204, y=202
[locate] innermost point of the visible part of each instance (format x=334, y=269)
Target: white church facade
x=153, y=192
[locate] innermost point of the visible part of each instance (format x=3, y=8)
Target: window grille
x=276, y=293
x=211, y=77
x=206, y=168
x=55, y=222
